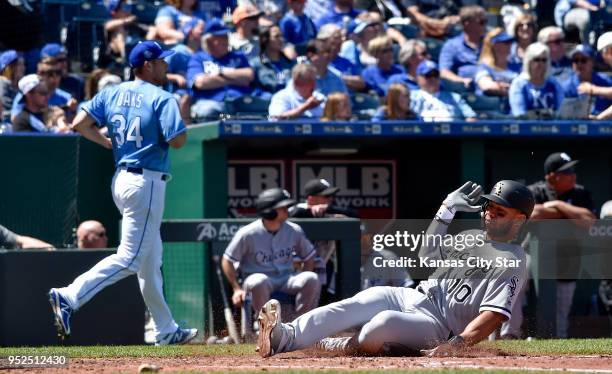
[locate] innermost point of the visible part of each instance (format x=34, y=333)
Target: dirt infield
x=306, y=360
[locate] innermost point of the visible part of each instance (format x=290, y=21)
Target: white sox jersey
x=260, y=251
x=478, y=278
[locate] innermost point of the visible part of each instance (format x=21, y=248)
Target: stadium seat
x=433, y=47
x=364, y=105
x=485, y=106
x=90, y=10
x=409, y=31
x=453, y=86
x=145, y=11
x=248, y=106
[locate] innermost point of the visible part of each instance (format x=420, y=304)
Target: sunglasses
x=526, y=26
x=580, y=61
x=50, y=73
x=432, y=75
x=540, y=59
x=41, y=93
x=556, y=41
x=387, y=50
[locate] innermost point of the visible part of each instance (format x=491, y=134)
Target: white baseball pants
x=392, y=316
x=140, y=199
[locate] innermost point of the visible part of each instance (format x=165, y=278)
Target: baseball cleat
x=180, y=336
x=270, y=329
x=62, y=312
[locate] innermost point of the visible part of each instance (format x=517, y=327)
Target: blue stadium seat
x=453, y=86
x=433, y=47
x=409, y=31
x=248, y=106
x=485, y=106
x=145, y=11
x=364, y=105
x=93, y=11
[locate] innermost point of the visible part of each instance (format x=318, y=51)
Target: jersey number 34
x=124, y=132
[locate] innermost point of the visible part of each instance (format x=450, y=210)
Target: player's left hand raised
x=464, y=199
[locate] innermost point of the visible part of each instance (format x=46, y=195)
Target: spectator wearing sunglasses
x=50, y=73
x=493, y=77
x=535, y=89
x=32, y=118
x=412, y=53
x=91, y=234
x=71, y=83
x=459, y=55
x=524, y=33
x=585, y=82
x=431, y=104
x=376, y=77
x=554, y=38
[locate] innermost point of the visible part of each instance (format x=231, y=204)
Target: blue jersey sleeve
x=96, y=107
x=170, y=118
x=194, y=68
x=518, y=104
x=447, y=55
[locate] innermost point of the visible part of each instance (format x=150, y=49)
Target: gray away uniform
x=266, y=262
x=419, y=319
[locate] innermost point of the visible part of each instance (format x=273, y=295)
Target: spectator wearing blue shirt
x=12, y=69
x=216, y=74
x=586, y=83
x=319, y=55
x=272, y=67
x=431, y=104
x=524, y=32
x=493, y=77
x=376, y=76
x=397, y=104
x=71, y=83
x=244, y=40
x=50, y=73
x=299, y=99
x=459, y=55
x=341, y=14
x=411, y=54
x=351, y=76
x=171, y=18
x=315, y=9
x=179, y=60
x=35, y=114
x=296, y=26
x=355, y=49
x=535, y=89
x=554, y=38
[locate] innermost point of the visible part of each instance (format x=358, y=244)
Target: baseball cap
x=113, y=5
x=559, y=161
x=319, y=187
x=583, y=49
x=51, y=50
x=606, y=210
x=216, y=27
x=357, y=27
x=108, y=80
x=243, y=12
x=604, y=41
x=27, y=83
x=189, y=25
x=426, y=67
x=7, y=57
x=502, y=37
x=147, y=51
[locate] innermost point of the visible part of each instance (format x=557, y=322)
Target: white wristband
x=445, y=214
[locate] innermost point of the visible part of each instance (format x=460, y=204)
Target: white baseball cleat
x=180, y=336
x=270, y=329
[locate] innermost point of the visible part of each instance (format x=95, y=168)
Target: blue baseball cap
x=189, y=25
x=7, y=57
x=583, y=49
x=216, y=27
x=502, y=37
x=426, y=67
x=52, y=50
x=113, y=5
x=147, y=51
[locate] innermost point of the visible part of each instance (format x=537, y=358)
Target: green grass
x=534, y=347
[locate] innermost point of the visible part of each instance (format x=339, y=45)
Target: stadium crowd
x=337, y=60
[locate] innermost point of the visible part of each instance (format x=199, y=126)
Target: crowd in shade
x=336, y=60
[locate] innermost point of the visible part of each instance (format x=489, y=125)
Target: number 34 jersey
x=476, y=279
x=141, y=119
